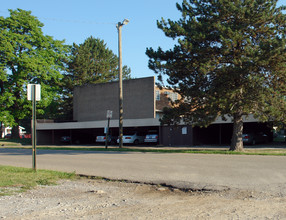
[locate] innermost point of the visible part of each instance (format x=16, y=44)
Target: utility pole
x=119, y=26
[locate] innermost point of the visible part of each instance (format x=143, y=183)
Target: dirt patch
x=101, y=199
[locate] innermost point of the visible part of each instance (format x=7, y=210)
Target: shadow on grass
x=17, y=142
x=76, y=151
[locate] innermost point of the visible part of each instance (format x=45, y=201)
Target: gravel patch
x=101, y=199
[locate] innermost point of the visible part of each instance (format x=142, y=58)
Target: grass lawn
x=15, y=142
x=15, y=179
x=277, y=150
x=191, y=150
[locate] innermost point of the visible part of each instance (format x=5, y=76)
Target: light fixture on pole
x=119, y=26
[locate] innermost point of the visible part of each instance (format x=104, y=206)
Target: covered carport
x=220, y=132
x=86, y=132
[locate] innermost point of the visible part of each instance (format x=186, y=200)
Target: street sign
x=109, y=114
x=106, y=130
x=34, y=94
x=38, y=91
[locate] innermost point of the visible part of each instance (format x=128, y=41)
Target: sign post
x=34, y=94
x=108, y=116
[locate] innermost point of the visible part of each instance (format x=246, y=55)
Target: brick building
x=143, y=103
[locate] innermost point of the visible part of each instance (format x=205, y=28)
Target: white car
x=132, y=138
x=151, y=138
x=101, y=139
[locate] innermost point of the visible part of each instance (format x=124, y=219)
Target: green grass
x=247, y=151
x=15, y=142
x=277, y=151
x=14, y=179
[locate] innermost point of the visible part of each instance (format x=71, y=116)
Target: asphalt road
x=197, y=171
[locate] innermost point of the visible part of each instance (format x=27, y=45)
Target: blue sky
x=74, y=21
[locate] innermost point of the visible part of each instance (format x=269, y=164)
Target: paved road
x=181, y=170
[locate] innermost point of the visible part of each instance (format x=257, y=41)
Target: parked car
x=101, y=139
x=280, y=136
x=27, y=135
x=254, y=138
x=65, y=139
x=132, y=138
x=151, y=138
x=8, y=136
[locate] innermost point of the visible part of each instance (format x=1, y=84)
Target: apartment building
x=143, y=103
x=142, y=107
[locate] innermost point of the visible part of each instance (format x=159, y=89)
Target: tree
x=5, y=100
x=229, y=61
x=91, y=62
x=27, y=56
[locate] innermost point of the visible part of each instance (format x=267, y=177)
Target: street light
x=119, y=26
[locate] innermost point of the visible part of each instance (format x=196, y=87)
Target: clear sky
x=74, y=21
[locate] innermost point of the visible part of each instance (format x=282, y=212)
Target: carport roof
x=143, y=122
x=99, y=124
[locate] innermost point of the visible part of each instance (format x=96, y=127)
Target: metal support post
x=107, y=133
x=34, y=126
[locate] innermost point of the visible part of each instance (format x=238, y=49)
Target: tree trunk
x=236, y=140
x=1, y=129
x=15, y=132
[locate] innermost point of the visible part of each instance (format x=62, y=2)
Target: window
x=157, y=95
x=171, y=95
x=167, y=93
x=174, y=96
x=158, y=115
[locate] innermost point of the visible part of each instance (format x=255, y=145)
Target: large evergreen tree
x=229, y=61
x=91, y=62
x=27, y=56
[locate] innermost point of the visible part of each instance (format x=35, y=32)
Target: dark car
x=8, y=136
x=65, y=140
x=280, y=136
x=254, y=138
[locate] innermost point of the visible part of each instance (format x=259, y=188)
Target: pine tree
x=229, y=61
x=91, y=62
